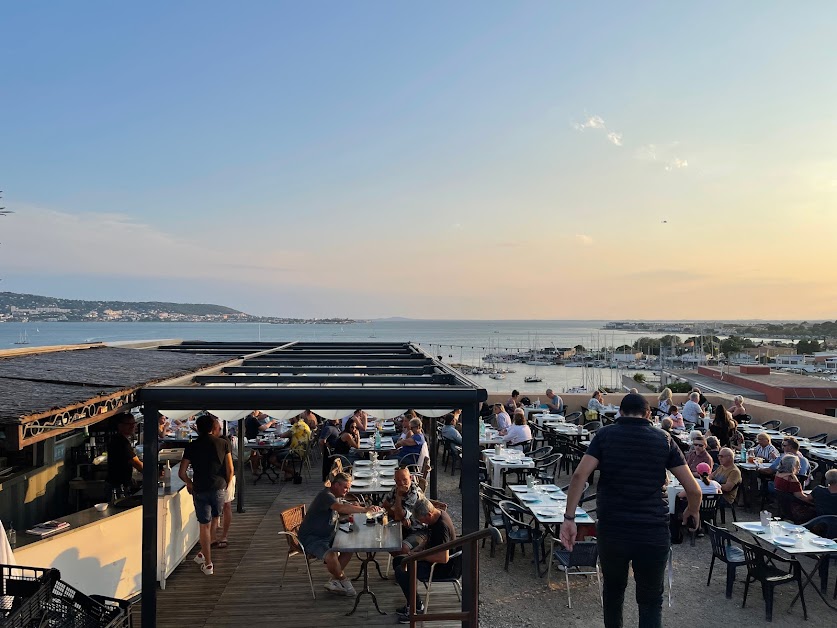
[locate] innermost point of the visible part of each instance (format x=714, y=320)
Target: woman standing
x=664, y=400
x=723, y=425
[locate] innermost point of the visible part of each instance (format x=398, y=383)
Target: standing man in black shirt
x=632, y=457
x=122, y=459
x=211, y=460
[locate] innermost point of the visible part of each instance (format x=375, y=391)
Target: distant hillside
x=79, y=307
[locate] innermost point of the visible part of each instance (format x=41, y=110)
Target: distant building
x=794, y=391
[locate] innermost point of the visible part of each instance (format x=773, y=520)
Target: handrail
x=469, y=617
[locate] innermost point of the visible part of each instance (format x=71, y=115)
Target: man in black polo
x=211, y=460
x=632, y=457
x=122, y=459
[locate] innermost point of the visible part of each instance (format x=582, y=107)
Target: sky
x=476, y=160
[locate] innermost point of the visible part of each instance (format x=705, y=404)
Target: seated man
x=399, y=504
x=449, y=430
x=316, y=533
x=254, y=424
x=440, y=530
x=360, y=417
x=554, y=402
x=789, y=446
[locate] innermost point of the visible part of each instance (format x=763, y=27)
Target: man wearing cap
x=632, y=457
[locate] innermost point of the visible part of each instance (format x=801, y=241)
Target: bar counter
x=101, y=552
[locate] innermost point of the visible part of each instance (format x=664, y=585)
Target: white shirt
x=503, y=421
x=691, y=412
x=517, y=434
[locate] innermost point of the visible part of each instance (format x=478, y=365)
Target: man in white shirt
x=692, y=412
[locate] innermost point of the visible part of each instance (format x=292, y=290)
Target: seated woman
x=677, y=421
x=707, y=485
x=713, y=448
x=764, y=449
x=698, y=454
x=793, y=503
x=737, y=408
x=664, y=402
x=727, y=474
x=723, y=425
x=412, y=441
x=348, y=442
x=519, y=432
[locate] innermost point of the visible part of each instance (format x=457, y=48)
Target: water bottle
x=113, y=496
x=377, y=439
x=12, y=535
x=743, y=454
x=167, y=475
x=482, y=428
x=538, y=402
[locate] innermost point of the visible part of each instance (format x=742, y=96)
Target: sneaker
x=208, y=569
x=403, y=610
x=334, y=586
x=405, y=618
x=200, y=558
x=348, y=588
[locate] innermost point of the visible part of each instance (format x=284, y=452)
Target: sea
x=455, y=341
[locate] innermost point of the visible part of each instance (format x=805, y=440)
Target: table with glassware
x=501, y=458
x=267, y=446
x=373, y=477
x=384, y=427
x=367, y=445
x=547, y=503
x=490, y=438
x=361, y=537
x=541, y=416
x=568, y=430
x=795, y=540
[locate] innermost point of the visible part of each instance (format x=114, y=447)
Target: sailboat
x=24, y=338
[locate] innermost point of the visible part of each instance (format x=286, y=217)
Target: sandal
x=215, y=544
x=222, y=544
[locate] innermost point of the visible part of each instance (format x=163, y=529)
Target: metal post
x=239, y=481
x=434, y=480
x=470, y=502
x=150, y=473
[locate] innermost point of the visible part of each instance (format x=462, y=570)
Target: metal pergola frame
x=327, y=375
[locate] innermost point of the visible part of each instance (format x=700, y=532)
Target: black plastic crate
x=70, y=608
x=24, y=594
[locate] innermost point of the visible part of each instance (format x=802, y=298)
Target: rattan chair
x=291, y=522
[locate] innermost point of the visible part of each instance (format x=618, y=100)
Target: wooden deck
x=245, y=588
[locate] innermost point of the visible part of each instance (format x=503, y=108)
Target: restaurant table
x=363, y=482
x=491, y=437
x=368, y=444
x=540, y=417
x=547, y=503
x=796, y=541
x=363, y=539
x=568, y=430
x=388, y=428
x=267, y=449
x=495, y=464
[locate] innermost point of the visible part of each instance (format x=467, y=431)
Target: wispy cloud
x=597, y=123
x=676, y=164
x=665, y=154
x=584, y=240
x=592, y=122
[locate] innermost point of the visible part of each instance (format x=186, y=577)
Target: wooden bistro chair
x=291, y=522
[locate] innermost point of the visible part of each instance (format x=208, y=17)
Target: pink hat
x=703, y=468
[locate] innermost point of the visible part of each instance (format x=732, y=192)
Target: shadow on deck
x=245, y=588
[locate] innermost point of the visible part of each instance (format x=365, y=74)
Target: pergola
x=321, y=375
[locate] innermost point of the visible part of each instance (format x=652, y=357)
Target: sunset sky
x=433, y=160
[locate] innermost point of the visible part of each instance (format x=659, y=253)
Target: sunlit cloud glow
x=584, y=240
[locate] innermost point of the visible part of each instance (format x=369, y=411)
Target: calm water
x=456, y=341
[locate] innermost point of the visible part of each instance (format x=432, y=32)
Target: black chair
x=826, y=527
x=583, y=492
x=493, y=515
x=724, y=550
x=541, y=452
x=454, y=455
x=521, y=529
x=546, y=469
x=793, y=430
x=584, y=554
x=832, y=443
x=708, y=513
x=762, y=567
x=771, y=425
x=743, y=418
x=723, y=504
x=592, y=426
x=819, y=438
x=573, y=418
x=813, y=466
x=538, y=434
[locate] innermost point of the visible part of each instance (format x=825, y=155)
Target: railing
x=470, y=616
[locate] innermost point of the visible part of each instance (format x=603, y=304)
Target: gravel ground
x=518, y=598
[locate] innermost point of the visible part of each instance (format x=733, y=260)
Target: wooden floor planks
x=245, y=589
